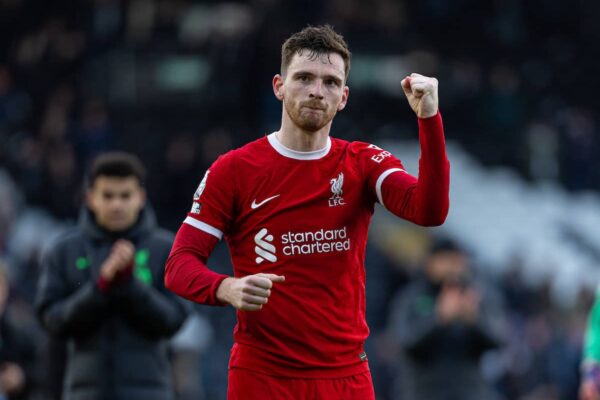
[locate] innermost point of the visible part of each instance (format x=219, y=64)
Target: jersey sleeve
x=376, y=164
x=213, y=203
x=423, y=200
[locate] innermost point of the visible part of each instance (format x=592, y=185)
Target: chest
x=313, y=190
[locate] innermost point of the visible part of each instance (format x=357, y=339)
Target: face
x=312, y=90
x=116, y=202
x=448, y=267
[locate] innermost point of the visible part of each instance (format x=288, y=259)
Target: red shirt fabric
x=304, y=215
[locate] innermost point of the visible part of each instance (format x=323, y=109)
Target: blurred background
x=179, y=82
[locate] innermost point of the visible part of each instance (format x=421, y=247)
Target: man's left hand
x=422, y=94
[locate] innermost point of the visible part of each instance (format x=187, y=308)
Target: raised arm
x=423, y=200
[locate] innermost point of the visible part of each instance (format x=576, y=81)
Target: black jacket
x=442, y=362
x=19, y=334
x=116, y=342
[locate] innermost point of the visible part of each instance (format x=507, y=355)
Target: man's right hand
x=249, y=293
x=120, y=258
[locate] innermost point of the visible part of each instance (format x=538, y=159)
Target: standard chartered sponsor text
x=321, y=241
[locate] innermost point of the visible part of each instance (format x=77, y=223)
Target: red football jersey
x=304, y=215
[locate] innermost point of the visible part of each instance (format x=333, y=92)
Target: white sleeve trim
x=380, y=180
x=204, y=227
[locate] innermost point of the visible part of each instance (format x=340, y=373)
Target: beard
x=309, y=116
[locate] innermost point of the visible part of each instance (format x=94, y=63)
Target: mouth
x=315, y=108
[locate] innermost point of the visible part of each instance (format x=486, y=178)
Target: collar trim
x=298, y=155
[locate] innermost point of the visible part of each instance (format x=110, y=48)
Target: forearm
x=186, y=273
x=420, y=333
x=424, y=201
x=486, y=335
x=148, y=309
x=77, y=314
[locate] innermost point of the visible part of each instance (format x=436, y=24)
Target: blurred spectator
x=102, y=290
x=22, y=234
x=590, y=380
x=17, y=343
x=188, y=346
x=443, y=324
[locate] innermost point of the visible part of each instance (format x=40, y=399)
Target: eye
x=303, y=78
x=330, y=82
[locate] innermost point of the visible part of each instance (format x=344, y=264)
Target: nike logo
x=255, y=205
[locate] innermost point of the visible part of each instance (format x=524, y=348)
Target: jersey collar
x=298, y=155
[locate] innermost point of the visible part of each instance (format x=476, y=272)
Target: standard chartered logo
x=321, y=241
x=264, y=249
x=301, y=243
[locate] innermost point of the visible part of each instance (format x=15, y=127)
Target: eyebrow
x=328, y=76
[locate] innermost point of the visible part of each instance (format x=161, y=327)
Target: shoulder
x=63, y=246
x=246, y=153
x=251, y=148
x=365, y=154
x=413, y=291
x=162, y=236
x=364, y=148
x=64, y=240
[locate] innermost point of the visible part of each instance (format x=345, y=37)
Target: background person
x=443, y=323
x=102, y=290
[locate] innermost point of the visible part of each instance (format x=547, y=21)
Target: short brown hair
x=318, y=40
x=117, y=164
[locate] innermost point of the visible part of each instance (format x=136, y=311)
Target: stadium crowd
x=179, y=82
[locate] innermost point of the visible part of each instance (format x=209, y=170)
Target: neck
x=295, y=138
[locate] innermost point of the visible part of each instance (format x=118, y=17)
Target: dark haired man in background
x=443, y=322
x=102, y=290
x=297, y=203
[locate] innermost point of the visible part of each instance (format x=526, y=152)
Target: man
x=443, y=323
x=102, y=290
x=18, y=336
x=590, y=367
x=295, y=207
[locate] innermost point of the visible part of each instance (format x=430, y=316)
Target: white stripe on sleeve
x=380, y=180
x=203, y=227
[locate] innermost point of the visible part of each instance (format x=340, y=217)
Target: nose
x=317, y=89
x=116, y=205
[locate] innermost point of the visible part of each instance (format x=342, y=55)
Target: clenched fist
x=249, y=293
x=422, y=94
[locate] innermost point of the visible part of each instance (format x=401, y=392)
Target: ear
x=278, y=86
x=89, y=199
x=345, y=94
x=143, y=198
